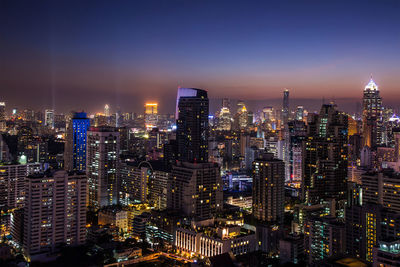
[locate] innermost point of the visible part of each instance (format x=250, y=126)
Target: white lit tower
x=372, y=115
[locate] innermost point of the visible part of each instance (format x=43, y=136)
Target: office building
x=291, y=249
x=12, y=184
x=325, y=157
x=372, y=115
x=324, y=237
x=134, y=183
x=49, y=118
x=387, y=254
x=221, y=240
x=114, y=216
x=195, y=189
x=2, y=111
x=107, y=112
x=268, y=189
x=382, y=188
x=192, y=125
x=285, y=108
x=54, y=213
x=151, y=115
x=366, y=226
x=102, y=166
x=76, y=141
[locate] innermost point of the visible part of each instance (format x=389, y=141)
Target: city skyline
x=199, y=133
x=130, y=53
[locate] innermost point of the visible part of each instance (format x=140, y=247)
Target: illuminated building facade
x=268, y=189
x=54, y=213
x=134, y=183
x=366, y=226
x=195, y=189
x=102, y=166
x=225, y=239
x=151, y=115
x=325, y=157
x=12, y=184
x=325, y=238
x=372, y=115
x=76, y=141
x=49, y=118
x=2, y=111
x=114, y=216
x=382, y=188
x=107, y=111
x=192, y=125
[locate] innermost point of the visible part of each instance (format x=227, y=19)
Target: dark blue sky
x=83, y=54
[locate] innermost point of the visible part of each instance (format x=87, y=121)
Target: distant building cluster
x=271, y=186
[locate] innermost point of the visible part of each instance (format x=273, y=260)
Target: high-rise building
x=102, y=166
x=145, y=183
x=12, y=184
x=300, y=113
x=195, y=189
x=224, y=117
x=49, y=118
x=2, y=111
x=151, y=108
x=133, y=183
x=297, y=134
x=366, y=226
x=372, y=115
x=324, y=237
x=151, y=115
x=382, y=188
x=286, y=136
x=107, y=111
x=241, y=117
x=325, y=157
x=192, y=125
x=76, y=140
x=54, y=213
x=285, y=107
x=268, y=189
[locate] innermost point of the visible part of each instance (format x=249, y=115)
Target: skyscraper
x=2, y=116
x=195, y=189
x=102, y=166
x=325, y=157
x=285, y=107
x=192, y=125
x=54, y=213
x=268, y=189
x=107, y=110
x=49, y=118
x=286, y=136
x=76, y=139
x=151, y=115
x=2, y=111
x=12, y=184
x=372, y=115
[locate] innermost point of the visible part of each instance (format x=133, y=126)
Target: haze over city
x=83, y=54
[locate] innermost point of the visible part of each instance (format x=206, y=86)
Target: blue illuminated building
x=80, y=125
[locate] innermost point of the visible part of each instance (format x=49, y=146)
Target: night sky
x=84, y=54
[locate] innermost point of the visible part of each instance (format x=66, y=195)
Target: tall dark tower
x=192, y=125
x=325, y=157
x=285, y=107
x=372, y=115
x=268, y=189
